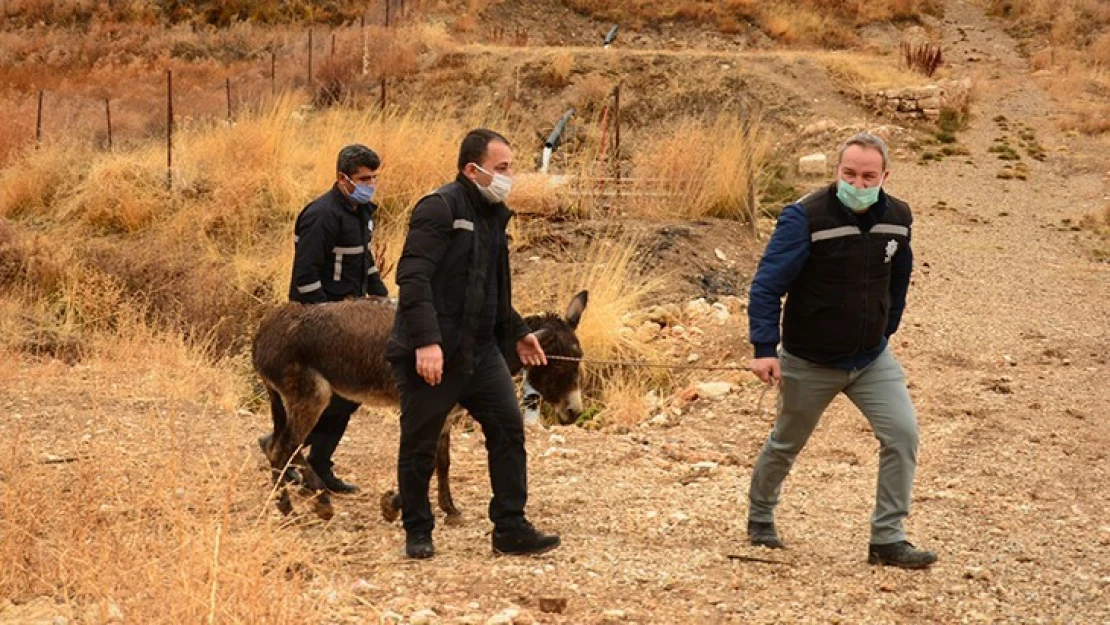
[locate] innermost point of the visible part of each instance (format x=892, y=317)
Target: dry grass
x=1070, y=41
x=143, y=515
x=700, y=168
x=830, y=23
x=862, y=75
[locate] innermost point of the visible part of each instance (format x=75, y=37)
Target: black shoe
x=901, y=554
x=331, y=482
x=764, y=535
x=523, y=539
x=419, y=546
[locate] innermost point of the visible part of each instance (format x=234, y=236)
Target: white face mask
x=499, y=187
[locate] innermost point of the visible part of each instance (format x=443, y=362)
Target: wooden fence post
x=749, y=167
x=617, y=133
x=169, y=128
x=310, y=59
x=273, y=73
x=227, y=86
x=38, y=122
x=108, y=114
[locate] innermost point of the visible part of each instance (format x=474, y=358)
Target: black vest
x=838, y=304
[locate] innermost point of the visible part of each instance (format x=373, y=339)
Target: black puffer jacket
x=442, y=276
x=332, y=259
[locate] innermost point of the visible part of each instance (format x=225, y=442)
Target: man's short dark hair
x=353, y=156
x=476, y=144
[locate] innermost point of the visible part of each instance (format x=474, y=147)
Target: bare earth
x=1005, y=343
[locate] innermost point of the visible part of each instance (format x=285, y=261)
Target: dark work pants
x=490, y=397
x=325, y=437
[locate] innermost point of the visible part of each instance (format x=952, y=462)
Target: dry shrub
x=558, y=71
x=35, y=265
x=923, y=58
x=121, y=193
x=861, y=75
x=608, y=272
x=625, y=401
x=39, y=178
x=150, y=518
x=700, y=168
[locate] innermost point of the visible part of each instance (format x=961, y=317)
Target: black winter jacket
x=442, y=276
x=332, y=259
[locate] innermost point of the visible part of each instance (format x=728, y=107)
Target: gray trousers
x=879, y=391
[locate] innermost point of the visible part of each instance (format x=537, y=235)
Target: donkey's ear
x=575, y=308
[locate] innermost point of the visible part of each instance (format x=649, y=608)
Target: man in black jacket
x=454, y=330
x=332, y=261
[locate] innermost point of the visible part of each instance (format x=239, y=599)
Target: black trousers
x=329, y=429
x=490, y=397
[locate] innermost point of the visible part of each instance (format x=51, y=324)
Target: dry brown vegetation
x=1069, y=40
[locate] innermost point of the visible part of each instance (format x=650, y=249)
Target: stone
x=813, y=165
x=931, y=114
x=553, y=605
x=713, y=390
x=423, y=617
x=929, y=103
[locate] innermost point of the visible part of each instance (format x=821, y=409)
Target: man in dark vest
x=454, y=330
x=842, y=258
x=332, y=261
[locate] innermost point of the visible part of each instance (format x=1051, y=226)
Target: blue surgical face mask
x=857, y=200
x=362, y=192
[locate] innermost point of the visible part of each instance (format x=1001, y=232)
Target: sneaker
x=764, y=535
x=901, y=554
x=523, y=539
x=419, y=546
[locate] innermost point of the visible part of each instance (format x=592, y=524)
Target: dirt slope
x=1005, y=342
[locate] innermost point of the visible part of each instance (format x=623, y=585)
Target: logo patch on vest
x=891, y=248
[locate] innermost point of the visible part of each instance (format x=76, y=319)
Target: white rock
x=507, y=616
x=706, y=466
x=693, y=357
x=423, y=617
x=564, y=452
x=813, y=165
x=698, y=307
x=557, y=439
x=362, y=587
x=713, y=390
x=719, y=254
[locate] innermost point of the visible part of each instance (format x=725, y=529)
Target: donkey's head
x=557, y=382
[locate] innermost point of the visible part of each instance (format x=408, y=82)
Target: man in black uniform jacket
x=454, y=330
x=332, y=261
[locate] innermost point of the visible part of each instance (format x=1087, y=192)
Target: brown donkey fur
x=304, y=353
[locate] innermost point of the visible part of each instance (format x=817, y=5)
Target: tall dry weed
x=700, y=168
x=149, y=516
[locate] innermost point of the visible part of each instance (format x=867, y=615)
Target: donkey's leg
x=305, y=398
x=443, y=468
x=268, y=444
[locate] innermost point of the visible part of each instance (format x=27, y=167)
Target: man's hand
x=529, y=350
x=429, y=363
x=766, y=369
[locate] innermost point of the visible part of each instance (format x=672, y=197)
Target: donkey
x=304, y=353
